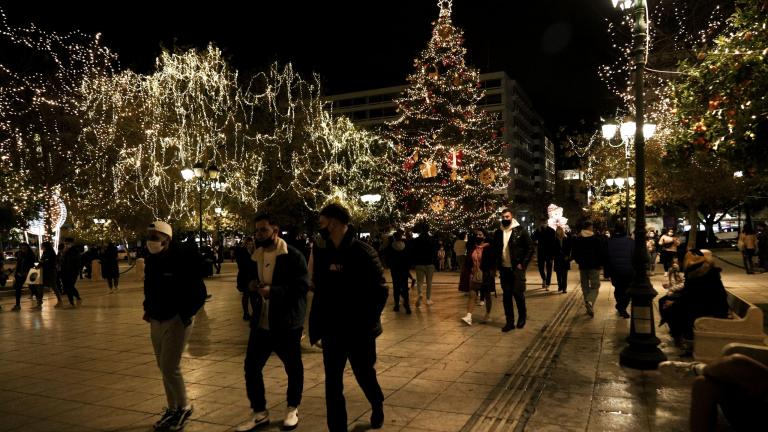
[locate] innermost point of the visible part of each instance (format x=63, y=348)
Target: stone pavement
x=92, y=368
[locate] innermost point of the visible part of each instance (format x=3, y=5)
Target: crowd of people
x=345, y=276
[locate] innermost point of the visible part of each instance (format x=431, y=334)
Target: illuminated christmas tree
x=450, y=168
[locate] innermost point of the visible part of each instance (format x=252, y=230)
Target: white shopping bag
x=34, y=277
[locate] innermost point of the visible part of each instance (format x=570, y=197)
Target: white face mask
x=155, y=247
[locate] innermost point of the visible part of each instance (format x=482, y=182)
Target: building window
x=375, y=113
x=491, y=99
x=359, y=115
x=491, y=83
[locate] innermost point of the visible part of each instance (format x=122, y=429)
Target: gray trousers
x=169, y=338
x=590, y=284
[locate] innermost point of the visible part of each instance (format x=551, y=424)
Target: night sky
x=552, y=47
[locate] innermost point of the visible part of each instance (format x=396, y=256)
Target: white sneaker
x=258, y=419
x=666, y=274
x=467, y=319
x=481, y=303
x=680, y=369
x=291, y=418
x=429, y=302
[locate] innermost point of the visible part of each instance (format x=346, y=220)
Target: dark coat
x=703, y=294
x=588, y=251
x=350, y=291
x=173, y=283
x=399, y=261
x=70, y=264
x=287, y=292
x=24, y=262
x=563, y=250
x=48, y=264
x=109, y=266
x=246, y=268
x=545, y=238
x=423, y=250
x=619, y=251
x=520, y=247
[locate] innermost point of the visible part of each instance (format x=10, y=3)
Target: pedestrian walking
x=423, y=258
x=544, y=239
x=69, y=270
x=397, y=256
x=747, y=245
x=460, y=249
x=173, y=293
x=652, y=247
x=513, y=250
x=109, y=267
x=619, y=252
x=50, y=279
x=562, y=259
x=668, y=244
x=279, y=288
x=588, y=253
x=245, y=271
x=482, y=277
x=25, y=261
x=349, y=295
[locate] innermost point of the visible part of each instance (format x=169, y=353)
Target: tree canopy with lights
x=449, y=162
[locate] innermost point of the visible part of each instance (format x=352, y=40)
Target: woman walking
x=50, y=277
x=562, y=253
x=748, y=247
x=109, y=268
x=482, y=278
x=668, y=242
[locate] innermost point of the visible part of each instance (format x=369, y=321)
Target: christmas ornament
x=445, y=31
x=408, y=164
x=428, y=169
x=453, y=175
x=454, y=158
x=438, y=203
x=415, y=155
x=487, y=176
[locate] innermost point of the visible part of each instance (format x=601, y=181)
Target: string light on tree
x=448, y=162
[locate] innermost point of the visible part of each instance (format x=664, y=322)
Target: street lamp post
x=203, y=176
x=642, y=351
x=620, y=182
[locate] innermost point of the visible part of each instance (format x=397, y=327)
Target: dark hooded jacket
x=173, y=283
x=350, y=291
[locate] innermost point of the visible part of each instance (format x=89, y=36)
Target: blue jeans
x=590, y=284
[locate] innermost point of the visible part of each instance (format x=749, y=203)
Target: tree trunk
x=693, y=219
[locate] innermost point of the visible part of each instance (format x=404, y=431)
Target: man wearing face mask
x=278, y=288
x=173, y=293
x=349, y=295
x=513, y=249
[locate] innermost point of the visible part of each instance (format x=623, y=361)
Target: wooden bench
x=745, y=325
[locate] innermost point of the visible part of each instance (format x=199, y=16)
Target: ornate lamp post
x=643, y=351
x=204, y=177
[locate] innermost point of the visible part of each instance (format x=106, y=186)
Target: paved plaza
x=92, y=368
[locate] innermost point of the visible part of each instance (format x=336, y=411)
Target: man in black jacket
x=513, y=249
x=279, y=294
x=588, y=251
x=349, y=296
x=618, y=263
x=173, y=293
x=69, y=268
x=544, y=238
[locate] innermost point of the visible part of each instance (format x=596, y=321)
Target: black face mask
x=263, y=243
x=324, y=233
x=506, y=222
